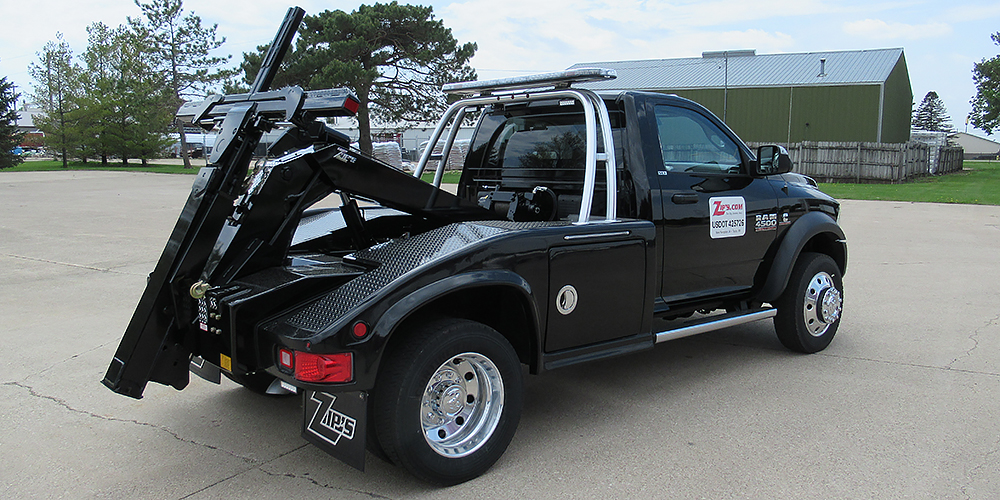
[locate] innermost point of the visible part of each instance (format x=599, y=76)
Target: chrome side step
x=714, y=324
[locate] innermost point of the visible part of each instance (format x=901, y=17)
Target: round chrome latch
x=566, y=300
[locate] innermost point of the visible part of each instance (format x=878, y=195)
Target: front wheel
x=810, y=308
x=448, y=400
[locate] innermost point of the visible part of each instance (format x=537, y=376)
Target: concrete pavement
x=903, y=404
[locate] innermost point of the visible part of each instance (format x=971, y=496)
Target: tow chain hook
x=199, y=288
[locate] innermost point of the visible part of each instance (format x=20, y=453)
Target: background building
x=977, y=148
x=859, y=95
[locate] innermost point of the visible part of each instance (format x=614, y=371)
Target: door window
x=691, y=143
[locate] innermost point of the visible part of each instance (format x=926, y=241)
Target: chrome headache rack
x=523, y=89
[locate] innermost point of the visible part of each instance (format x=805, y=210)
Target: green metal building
x=844, y=96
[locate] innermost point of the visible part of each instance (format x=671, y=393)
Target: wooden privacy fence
x=950, y=159
x=871, y=162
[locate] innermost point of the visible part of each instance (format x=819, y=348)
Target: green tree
x=56, y=87
x=124, y=98
x=393, y=57
x=182, y=47
x=986, y=104
x=932, y=115
x=98, y=99
x=10, y=137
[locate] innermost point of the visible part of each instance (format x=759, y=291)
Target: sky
x=941, y=40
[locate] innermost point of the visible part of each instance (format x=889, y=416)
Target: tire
x=448, y=400
x=372, y=444
x=810, y=308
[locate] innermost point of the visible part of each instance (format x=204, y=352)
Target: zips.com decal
x=727, y=216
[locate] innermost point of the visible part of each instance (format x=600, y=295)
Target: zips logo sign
x=336, y=424
x=727, y=216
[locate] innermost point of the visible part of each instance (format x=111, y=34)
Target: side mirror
x=772, y=160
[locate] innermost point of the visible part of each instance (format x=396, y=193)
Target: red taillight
x=352, y=105
x=311, y=367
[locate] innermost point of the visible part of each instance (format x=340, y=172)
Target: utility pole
x=725, y=83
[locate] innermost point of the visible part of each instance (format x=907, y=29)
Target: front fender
x=802, y=232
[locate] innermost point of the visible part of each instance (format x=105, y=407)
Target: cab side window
x=520, y=149
x=691, y=143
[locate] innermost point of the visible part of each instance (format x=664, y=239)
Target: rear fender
x=816, y=229
x=421, y=299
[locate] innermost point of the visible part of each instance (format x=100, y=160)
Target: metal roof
x=748, y=69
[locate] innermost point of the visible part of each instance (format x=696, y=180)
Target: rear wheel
x=448, y=400
x=810, y=308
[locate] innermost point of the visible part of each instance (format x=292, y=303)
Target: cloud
x=877, y=29
x=528, y=36
x=704, y=13
x=960, y=13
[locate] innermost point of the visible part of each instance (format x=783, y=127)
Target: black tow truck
x=585, y=225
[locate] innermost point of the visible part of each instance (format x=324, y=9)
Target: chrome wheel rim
x=461, y=405
x=823, y=304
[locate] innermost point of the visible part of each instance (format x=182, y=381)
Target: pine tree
x=124, y=97
x=10, y=137
x=56, y=90
x=394, y=57
x=98, y=93
x=931, y=115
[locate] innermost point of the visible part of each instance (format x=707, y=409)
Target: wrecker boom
x=232, y=225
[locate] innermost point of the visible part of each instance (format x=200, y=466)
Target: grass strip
x=57, y=166
x=977, y=184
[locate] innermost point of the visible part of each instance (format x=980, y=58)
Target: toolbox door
x=596, y=293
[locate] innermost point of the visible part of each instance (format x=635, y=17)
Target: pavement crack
x=61, y=402
x=289, y=475
x=77, y=355
x=888, y=362
x=323, y=485
x=238, y=474
x=978, y=469
x=974, y=337
x=912, y=365
x=254, y=464
x=67, y=264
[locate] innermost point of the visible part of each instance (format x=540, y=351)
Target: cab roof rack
x=556, y=80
